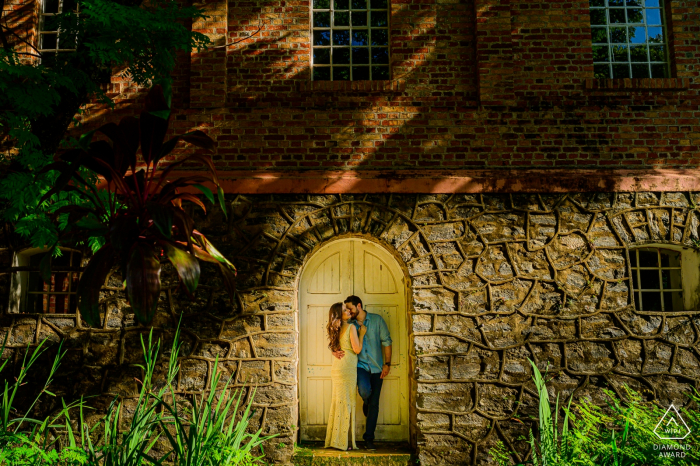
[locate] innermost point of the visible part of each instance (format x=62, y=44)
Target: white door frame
x=407, y=360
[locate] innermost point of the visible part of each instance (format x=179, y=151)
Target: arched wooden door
x=342, y=268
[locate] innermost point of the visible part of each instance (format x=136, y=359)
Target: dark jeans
x=370, y=386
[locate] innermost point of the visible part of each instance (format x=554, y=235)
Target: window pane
x=633, y=257
x=322, y=56
x=640, y=70
x=633, y=3
x=360, y=37
x=341, y=18
x=656, y=35
x=380, y=37
x=671, y=279
x=638, y=35
x=602, y=71
x=601, y=53
x=341, y=4
x=322, y=37
x=635, y=16
x=360, y=73
x=639, y=53
x=50, y=6
x=653, y=16
x=341, y=56
x=598, y=17
x=619, y=53
x=322, y=20
x=341, y=37
x=651, y=3
x=597, y=2
x=360, y=56
x=341, y=73
x=650, y=279
x=359, y=18
x=657, y=53
x=618, y=35
x=380, y=56
x=659, y=71
x=617, y=16
x=616, y=3
x=635, y=279
x=359, y=4
x=49, y=41
x=670, y=258
x=378, y=4
x=651, y=301
x=599, y=35
x=322, y=74
x=673, y=301
x=379, y=19
x=380, y=73
x=648, y=258
x=322, y=4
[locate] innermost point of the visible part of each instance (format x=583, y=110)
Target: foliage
x=139, y=214
x=621, y=434
x=210, y=435
x=40, y=93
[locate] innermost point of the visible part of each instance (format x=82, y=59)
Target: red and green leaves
x=91, y=281
x=143, y=213
x=143, y=280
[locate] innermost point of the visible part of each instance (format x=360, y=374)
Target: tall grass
x=214, y=433
x=620, y=434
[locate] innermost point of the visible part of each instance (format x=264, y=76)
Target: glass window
x=350, y=40
x=629, y=39
x=56, y=297
x=656, y=279
x=51, y=39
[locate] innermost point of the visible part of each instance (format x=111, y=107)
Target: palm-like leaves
x=142, y=218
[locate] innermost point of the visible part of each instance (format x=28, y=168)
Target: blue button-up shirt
x=371, y=358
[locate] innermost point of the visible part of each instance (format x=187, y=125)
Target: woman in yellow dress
x=343, y=335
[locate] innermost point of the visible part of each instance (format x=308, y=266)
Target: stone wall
x=494, y=280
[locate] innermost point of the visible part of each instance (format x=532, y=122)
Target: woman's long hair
x=335, y=323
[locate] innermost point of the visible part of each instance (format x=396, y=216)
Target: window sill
x=627, y=85
x=352, y=86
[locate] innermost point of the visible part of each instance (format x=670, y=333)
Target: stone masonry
x=494, y=279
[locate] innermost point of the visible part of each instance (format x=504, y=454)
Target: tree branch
x=23, y=40
x=260, y=25
x=5, y=44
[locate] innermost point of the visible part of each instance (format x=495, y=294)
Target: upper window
x=350, y=40
x=657, y=279
x=629, y=39
x=30, y=294
x=51, y=39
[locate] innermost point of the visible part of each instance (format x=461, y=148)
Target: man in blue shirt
x=373, y=363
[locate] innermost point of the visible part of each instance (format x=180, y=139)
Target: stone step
x=387, y=454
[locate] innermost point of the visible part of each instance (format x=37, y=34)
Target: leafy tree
x=137, y=211
x=40, y=93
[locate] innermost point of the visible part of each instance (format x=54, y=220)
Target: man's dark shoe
x=365, y=409
x=369, y=445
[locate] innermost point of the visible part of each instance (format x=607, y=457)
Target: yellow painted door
x=343, y=268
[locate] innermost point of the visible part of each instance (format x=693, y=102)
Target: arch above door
x=339, y=269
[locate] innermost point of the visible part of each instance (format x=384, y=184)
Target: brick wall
x=477, y=84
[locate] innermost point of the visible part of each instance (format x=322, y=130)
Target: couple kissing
x=361, y=347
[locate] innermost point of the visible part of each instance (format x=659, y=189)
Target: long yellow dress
x=344, y=383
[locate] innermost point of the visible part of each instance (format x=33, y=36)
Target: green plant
x=551, y=448
x=139, y=215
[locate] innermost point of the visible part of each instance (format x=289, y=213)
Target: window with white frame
x=629, y=39
x=29, y=293
x=350, y=40
x=51, y=39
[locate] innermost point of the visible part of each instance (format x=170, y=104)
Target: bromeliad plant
x=137, y=213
